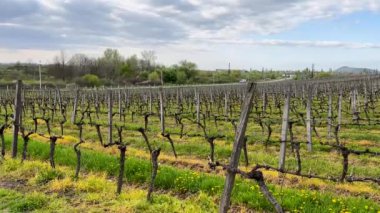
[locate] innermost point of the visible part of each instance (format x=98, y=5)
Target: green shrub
x=46, y=176
x=12, y=165
x=154, y=76
x=29, y=203
x=89, y=80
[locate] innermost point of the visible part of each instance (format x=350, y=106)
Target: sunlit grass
x=180, y=181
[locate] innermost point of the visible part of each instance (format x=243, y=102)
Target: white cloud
x=187, y=25
x=270, y=17
x=52, y=5
x=11, y=55
x=6, y=24
x=214, y=12
x=301, y=43
x=168, y=20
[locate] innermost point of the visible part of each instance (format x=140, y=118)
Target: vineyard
x=286, y=146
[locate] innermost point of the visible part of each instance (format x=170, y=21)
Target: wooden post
x=340, y=109
x=329, y=116
x=238, y=144
x=127, y=102
x=284, y=129
x=17, y=116
x=150, y=102
x=97, y=105
x=59, y=101
x=162, y=113
x=226, y=104
x=110, y=116
x=358, y=102
x=265, y=101
x=198, y=106
x=120, y=108
x=211, y=102
x=177, y=96
x=303, y=92
x=74, y=114
x=354, y=105
x=309, y=103
x=365, y=95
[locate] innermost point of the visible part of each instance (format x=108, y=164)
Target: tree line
x=113, y=68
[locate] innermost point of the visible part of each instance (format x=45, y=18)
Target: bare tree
x=148, y=60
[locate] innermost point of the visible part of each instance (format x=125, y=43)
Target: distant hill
x=346, y=69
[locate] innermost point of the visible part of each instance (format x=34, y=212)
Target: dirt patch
x=15, y=184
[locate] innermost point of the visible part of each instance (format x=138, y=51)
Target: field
x=315, y=142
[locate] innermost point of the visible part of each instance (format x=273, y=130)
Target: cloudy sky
x=278, y=34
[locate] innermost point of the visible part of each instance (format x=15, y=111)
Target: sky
x=248, y=34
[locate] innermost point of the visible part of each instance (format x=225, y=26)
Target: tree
x=323, y=75
x=81, y=64
x=111, y=63
x=189, y=68
x=154, y=77
x=181, y=77
x=235, y=75
x=148, y=60
x=91, y=80
x=170, y=75
x=130, y=67
x=59, y=69
x=62, y=60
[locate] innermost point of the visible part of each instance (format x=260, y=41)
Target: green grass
x=186, y=181
x=17, y=202
x=92, y=193
x=358, y=135
x=323, y=161
x=48, y=175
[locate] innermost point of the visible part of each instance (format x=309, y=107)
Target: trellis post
x=17, y=117
x=74, y=114
x=235, y=156
x=162, y=113
x=309, y=103
x=284, y=129
x=110, y=103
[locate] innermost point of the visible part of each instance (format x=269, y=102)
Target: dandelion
x=334, y=200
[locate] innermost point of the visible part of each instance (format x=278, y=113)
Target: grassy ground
x=186, y=184
x=34, y=186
